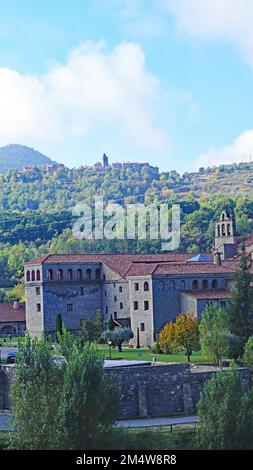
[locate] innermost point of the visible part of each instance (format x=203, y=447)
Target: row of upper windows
x=145, y=286
x=195, y=284
x=60, y=275
x=205, y=284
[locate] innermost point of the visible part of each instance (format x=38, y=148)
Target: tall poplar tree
x=240, y=307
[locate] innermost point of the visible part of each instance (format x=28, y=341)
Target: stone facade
x=146, y=291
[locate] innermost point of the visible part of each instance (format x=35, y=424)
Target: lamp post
x=110, y=347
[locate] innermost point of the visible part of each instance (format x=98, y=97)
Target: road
x=157, y=422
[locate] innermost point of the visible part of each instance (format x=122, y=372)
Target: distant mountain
x=15, y=157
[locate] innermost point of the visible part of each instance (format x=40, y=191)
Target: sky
x=164, y=81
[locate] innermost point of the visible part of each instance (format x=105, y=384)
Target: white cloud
x=94, y=89
x=226, y=20
x=240, y=150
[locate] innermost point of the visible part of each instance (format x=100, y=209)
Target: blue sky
x=151, y=80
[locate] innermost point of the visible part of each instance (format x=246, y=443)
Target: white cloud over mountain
x=241, y=150
x=95, y=89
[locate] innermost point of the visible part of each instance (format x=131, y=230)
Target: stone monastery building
x=144, y=291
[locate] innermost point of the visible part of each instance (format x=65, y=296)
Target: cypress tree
x=58, y=326
x=240, y=308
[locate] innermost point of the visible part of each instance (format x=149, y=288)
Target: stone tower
x=225, y=236
x=105, y=160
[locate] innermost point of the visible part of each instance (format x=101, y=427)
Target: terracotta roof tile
x=10, y=314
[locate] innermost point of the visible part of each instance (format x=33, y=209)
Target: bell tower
x=225, y=235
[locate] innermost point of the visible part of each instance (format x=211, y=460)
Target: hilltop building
x=134, y=166
x=145, y=291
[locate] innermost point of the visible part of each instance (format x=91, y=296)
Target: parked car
x=11, y=358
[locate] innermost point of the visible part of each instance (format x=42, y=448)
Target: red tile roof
x=208, y=294
x=145, y=264
x=10, y=314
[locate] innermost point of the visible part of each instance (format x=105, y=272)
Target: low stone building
x=12, y=319
x=146, y=290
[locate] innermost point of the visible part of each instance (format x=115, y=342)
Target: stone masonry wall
x=148, y=390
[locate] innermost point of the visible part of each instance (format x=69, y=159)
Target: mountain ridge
x=16, y=156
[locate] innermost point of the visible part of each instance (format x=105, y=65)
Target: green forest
x=36, y=216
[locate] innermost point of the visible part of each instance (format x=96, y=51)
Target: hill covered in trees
x=15, y=156
x=36, y=207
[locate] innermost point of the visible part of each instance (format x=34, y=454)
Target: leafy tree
x=60, y=405
x=118, y=336
x=166, y=338
x=214, y=333
x=240, y=308
x=86, y=406
x=67, y=342
x=99, y=324
x=182, y=334
x=88, y=331
x=110, y=324
x=186, y=334
x=225, y=412
x=35, y=391
x=248, y=354
x=58, y=325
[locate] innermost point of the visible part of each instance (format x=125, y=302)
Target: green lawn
x=146, y=355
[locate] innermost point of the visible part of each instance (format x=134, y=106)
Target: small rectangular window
x=146, y=305
x=106, y=309
x=136, y=305
x=82, y=291
x=37, y=290
x=115, y=315
x=38, y=307
x=121, y=305
x=136, y=286
x=70, y=307
x=115, y=298
x=105, y=293
x=142, y=326
x=120, y=288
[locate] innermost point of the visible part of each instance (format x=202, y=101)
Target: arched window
x=146, y=286
x=214, y=284
x=172, y=285
x=38, y=275
x=33, y=275
x=223, y=233
x=205, y=284
x=195, y=284
x=182, y=284
x=223, y=216
x=228, y=230
x=8, y=330
x=70, y=274
x=50, y=275
x=97, y=273
x=88, y=274
x=218, y=230
x=79, y=274
x=60, y=274
x=28, y=276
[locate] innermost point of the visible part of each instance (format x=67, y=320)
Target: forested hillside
x=36, y=217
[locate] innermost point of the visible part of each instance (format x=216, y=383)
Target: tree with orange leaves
x=183, y=333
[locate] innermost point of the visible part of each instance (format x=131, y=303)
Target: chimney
x=217, y=259
x=16, y=304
